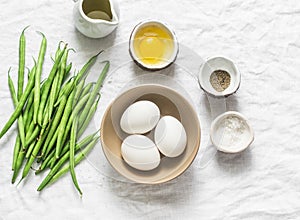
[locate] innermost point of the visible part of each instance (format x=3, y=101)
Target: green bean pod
x=79, y=89
x=96, y=89
x=22, y=48
x=44, y=164
x=20, y=105
x=86, y=90
x=21, y=128
x=51, y=144
x=37, y=88
x=33, y=155
x=18, y=166
x=62, y=73
x=86, y=67
x=53, y=90
x=16, y=151
x=47, y=88
x=66, y=148
x=28, y=110
x=58, y=51
x=30, y=129
x=73, y=138
x=55, y=123
x=45, y=117
x=68, y=70
x=63, y=123
x=33, y=135
x=76, y=110
x=56, y=85
x=55, y=170
x=30, y=149
x=84, y=120
x=66, y=90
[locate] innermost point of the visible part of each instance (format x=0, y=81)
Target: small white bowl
x=168, y=60
x=219, y=63
x=219, y=136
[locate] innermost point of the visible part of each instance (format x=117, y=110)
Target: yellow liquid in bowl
x=153, y=44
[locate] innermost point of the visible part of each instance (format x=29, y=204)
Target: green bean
x=55, y=123
x=69, y=88
x=55, y=173
x=78, y=158
x=52, y=96
x=54, y=159
x=66, y=90
x=33, y=135
x=22, y=46
x=66, y=148
x=86, y=67
x=76, y=110
x=68, y=70
x=49, y=81
x=46, y=120
x=33, y=155
x=63, y=123
x=29, y=130
x=28, y=110
x=72, y=153
x=96, y=89
x=37, y=92
x=45, y=117
x=44, y=164
x=51, y=144
x=86, y=90
x=20, y=105
x=30, y=149
x=62, y=72
x=20, y=119
x=50, y=157
x=85, y=120
x=56, y=85
x=58, y=51
x=78, y=91
x=29, y=120
x=18, y=166
x=16, y=151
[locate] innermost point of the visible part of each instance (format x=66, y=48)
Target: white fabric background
x=261, y=183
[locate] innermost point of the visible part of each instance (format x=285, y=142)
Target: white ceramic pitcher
x=96, y=18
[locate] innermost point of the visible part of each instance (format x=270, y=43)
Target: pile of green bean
x=52, y=115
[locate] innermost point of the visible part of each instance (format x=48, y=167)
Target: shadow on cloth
x=234, y=163
x=174, y=192
x=90, y=44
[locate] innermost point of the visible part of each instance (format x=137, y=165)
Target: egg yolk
x=153, y=44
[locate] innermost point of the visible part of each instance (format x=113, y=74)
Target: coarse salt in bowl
x=231, y=133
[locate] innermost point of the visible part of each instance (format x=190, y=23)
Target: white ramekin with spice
x=219, y=77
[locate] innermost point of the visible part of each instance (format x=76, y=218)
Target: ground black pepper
x=220, y=80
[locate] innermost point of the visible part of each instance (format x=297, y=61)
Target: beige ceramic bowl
x=170, y=103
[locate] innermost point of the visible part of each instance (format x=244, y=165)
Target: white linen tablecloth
x=262, y=37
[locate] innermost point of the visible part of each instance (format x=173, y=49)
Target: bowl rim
x=166, y=179
x=159, y=66
x=216, y=93
x=219, y=119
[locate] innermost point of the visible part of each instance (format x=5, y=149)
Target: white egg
x=140, y=152
x=170, y=136
x=140, y=117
